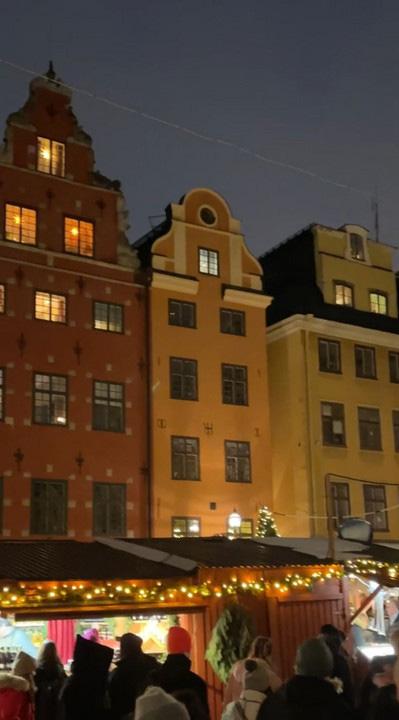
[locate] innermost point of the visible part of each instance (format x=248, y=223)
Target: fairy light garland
x=24, y=595
x=372, y=567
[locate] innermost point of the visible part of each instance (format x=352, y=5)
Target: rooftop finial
x=50, y=74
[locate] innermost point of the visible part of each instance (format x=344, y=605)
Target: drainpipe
x=148, y=349
x=310, y=433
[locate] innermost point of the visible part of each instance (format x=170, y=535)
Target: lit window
x=108, y=411
x=333, y=423
x=51, y=307
x=79, y=237
x=2, y=374
x=20, y=224
x=237, y=461
x=185, y=458
x=48, y=507
x=50, y=156
x=109, y=509
x=378, y=303
x=186, y=527
x=374, y=505
x=246, y=528
x=356, y=247
x=343, y=294
x=49, y=399
x=108, y=317
x=208, y=261
x=2, y=299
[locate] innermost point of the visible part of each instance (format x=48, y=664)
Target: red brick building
x=73, y=455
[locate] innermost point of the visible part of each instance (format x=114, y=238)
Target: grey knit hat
x=156, y=704
x=314, y=659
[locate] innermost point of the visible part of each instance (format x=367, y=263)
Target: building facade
x=73, y=452
x=333, y=360
x=209, y=424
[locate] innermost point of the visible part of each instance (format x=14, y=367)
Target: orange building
x=209, y=443
x=72, y=368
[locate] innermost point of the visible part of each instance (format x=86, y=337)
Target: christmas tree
x=230, y=640
x=266, y=527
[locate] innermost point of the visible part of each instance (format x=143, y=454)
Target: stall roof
x=163, y=558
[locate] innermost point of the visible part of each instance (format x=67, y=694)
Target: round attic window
x=207, y=216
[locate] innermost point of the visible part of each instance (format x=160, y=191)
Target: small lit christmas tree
x=265, y=526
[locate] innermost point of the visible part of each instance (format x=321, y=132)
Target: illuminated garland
x=24, y=595
x=372, y=567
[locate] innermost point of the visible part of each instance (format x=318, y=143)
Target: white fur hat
x=24, y=664
x=156, y=704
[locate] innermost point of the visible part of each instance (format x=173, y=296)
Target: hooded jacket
x=84, y=695
x=15, y=699
x=128, y=680
x=305, y=698
x=175, y=674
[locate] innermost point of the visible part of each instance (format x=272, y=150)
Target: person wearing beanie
x=16, y=689
x=256, y=689
x=261, y=648
x=156, y=704
x=310, y=694
x=176, y=674
x=128, y=679
x=84, y=694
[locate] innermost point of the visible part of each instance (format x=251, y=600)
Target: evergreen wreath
x=230, y=640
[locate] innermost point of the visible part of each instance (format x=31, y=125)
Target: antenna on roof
x=375, y=209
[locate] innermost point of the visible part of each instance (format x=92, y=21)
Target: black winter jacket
x=305, y=698
x=175, y=674
x=128, y=681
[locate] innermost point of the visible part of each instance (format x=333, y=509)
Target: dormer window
x=357, y=247
x=343, y=294
x=50, y=157
x=378, y=302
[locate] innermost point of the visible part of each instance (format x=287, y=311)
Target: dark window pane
x=333, y=424
x=234, y=384
x=185, y=458
x=108, y=407
x=329, y=356
x=237, y=461
x=369, y=428
x=365, y=362
x=48, y=507
x=232, y=322
x=394, y=367
x=183, y=379
x=374, y=505
x=109, y=509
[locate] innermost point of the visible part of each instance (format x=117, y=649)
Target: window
x=20, y=224
x=365, y=362
x=50, y=156
x=329, y=356
x=2, y=393
x=234, y=385
x=394, y=367
x=374, y=504
x=356, y=247
x=108, y=411
x=207, y=216
x=108, y=316
x=208, y=261
x=186, y=527
x=48, y=507
x=2, y=299
x=185, y=458
x=395, y=421
x=333, y=423
x=343, y=294
x=369, y=428
x=78, y=237
x=341, y=501
x=238, y=461
x=246, y=528
x=49, y=306
x=109, y=509
x=182, y=314
x=49, y=399
x=183, y=379
x=378, y=303
x=232, y=322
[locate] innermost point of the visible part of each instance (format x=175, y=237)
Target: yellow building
x=333, y=359
x=209, y=426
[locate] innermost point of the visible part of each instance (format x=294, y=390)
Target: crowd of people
x=138, y=687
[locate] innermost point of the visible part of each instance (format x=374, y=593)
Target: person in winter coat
x=331, y=636
x=175, y=673
x=156, y=704
x=84, y=695
x=128, y=679
x=49, y=678
x=309, y=695
x=261, y=648
x=192, y=704
x=15, y=698
x=256, y=689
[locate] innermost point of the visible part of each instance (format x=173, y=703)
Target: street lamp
x=234, y=523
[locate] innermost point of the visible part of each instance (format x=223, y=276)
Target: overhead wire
x=243, y=149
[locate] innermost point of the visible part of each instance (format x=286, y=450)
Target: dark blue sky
x=308, y=82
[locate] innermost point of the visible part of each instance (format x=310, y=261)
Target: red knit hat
x=178, y=641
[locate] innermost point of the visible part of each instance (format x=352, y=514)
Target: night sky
x=312, y=83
